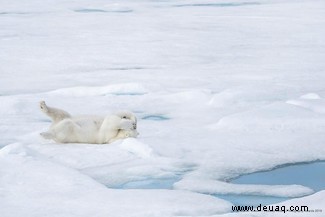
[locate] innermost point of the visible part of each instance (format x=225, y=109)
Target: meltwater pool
x=310, y=174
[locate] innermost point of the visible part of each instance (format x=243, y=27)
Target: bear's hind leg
x=55, y=114
x=66, y=131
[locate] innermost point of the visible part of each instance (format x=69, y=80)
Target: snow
x=137, y=148
x=220, y=89
x=311, y=102
x=124, y=89
x=43, y=188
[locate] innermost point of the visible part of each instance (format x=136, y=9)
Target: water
x=151, y=184
x=230, y=4
x=94, y=10
x=14, y=13
x=90, y=10
x=251, y=200
x=155, y=117
x=128, y=94
x=311, y=175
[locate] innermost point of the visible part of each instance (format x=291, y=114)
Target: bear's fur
x=88, y=129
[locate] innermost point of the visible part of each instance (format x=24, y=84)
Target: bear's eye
x=124, y=117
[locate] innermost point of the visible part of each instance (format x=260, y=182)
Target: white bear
x=89, y=129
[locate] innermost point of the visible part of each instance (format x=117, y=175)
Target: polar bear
x=88, y=129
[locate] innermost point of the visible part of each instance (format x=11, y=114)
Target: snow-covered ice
x=32, y=185
x=220, y=89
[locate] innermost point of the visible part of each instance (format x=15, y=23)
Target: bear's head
x=130, y=116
